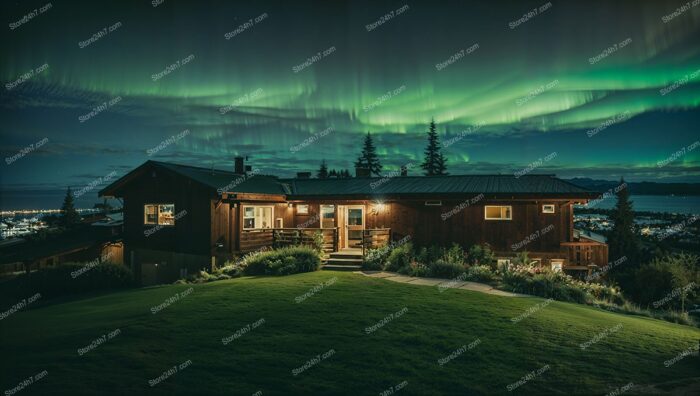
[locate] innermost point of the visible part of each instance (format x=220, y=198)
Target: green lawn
x=432, y=325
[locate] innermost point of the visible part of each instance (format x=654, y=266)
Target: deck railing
x=252, y=240
x=373, y=238
x=305, y=236
x=581, y=254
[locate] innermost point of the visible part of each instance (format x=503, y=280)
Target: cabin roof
x=216, y=179
x=452, y=184
x=227, y=181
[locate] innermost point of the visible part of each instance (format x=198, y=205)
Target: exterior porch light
x=290, y=205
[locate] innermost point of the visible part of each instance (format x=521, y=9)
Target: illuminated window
x=327, y=216
x=257, y=217
x=503, y=264
x=161, y=214
x=547, y=208
x=557, y=265
x=303, y=209
x=498, y=212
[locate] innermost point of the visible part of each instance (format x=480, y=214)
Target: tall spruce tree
x=368, y=158
x=435, y=163
x=69, y=216
x=623, y=240
x=323, y=170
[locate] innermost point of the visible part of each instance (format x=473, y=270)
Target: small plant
x=445, y=269
x=481, y=273
x=454, y=255
x=318, y=241
x=400, y=257
x=374, y=259
x=481, y=255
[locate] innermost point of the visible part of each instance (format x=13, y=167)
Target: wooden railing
x=581, y=254
x=252, y=240
x=305, y=236
x=375, y=238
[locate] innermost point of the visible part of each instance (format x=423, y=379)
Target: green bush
x=546, y=284
x=428, y=255
x=481, y=255
x=284, y=261
x=454, y=255
x=654, y=280
x=400, y=257
x=68, y=279
x=374, y=259
x=445, y=269
x=318, y=241
x=480, y=273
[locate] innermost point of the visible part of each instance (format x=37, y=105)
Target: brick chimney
x=239, y=165
x=361, y=171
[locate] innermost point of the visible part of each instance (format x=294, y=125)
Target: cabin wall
x=446, y=224
x=158, y=254
x=191, y=232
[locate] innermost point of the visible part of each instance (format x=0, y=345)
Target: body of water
x=657, y=203
x=46, y=199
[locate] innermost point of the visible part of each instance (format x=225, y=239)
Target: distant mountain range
x=641, y=188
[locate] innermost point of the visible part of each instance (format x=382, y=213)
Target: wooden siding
x=467, y=226
x=191, y=233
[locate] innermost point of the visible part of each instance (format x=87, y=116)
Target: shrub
x=556, y=285
x=68, y=279
x=429, y=255
x=284, y=261
x=445, y=269
x=318, y=241
x=481, y=255
x=454, y=255
x=374, y=259
x=654, y=280
x=480, y=273
x=400, y=257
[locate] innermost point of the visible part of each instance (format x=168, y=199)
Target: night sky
x=513, y=88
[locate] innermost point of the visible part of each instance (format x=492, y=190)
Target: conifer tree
x=368, y=158
x=435, y=163
x=69, y=216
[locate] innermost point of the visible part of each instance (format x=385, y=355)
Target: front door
x=354, y=224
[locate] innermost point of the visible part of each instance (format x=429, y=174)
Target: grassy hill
x=272, y=337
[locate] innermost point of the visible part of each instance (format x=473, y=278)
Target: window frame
x=321, y=214
x=157, y=214
x=302, y=212
x=243, y=216
x=556, y=265
x=510, y=212
x=553, y=206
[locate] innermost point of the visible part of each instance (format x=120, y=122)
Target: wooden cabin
x=179, y=219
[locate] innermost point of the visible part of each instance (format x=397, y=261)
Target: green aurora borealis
x=499, y=86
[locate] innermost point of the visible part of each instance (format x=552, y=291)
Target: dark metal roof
x=226, y=181
x=457, y=184
x=218, y=180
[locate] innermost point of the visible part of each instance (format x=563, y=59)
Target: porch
x=371, y=238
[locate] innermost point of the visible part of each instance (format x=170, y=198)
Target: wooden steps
x=345, y=260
